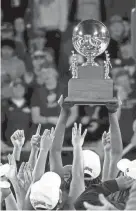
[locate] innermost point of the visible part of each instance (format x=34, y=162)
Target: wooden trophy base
x=78, y=101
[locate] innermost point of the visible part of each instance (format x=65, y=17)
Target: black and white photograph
x=68, y=105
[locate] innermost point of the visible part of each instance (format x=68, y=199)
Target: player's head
x=46, y=193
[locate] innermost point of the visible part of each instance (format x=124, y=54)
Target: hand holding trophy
x=90, y=83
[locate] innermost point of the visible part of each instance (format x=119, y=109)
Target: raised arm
x=11, y=202
x=45, y=145
x=17, y=139
x=12, y=176
x=35, y=143
x=55, y=152
x=6, y=194
x=77, y=184
x=106, y=140
x=116, y=140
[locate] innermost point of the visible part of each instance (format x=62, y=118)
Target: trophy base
x=69, y=100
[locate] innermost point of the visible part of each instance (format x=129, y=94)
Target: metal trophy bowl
x=90, y=39
x=90, y=83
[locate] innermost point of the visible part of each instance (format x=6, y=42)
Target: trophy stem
x=90, y=61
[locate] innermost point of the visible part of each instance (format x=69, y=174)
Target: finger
x=23, y=134
x=9, y=159
x=19, y=133
x=89, y=206
x=52, y=130
x=75, y=126
x=73, y=131
x=46, y=133
x=12, y=137
x=29, y=174
x=80, y=128
x=38, y=130
x=60, y=99
x=103, y=200
x=21, y=182
x=16, y=136
x=84, y=134
x=21, y=169
x=26, y=177
x=104, y=135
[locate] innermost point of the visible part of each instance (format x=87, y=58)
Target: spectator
x=116, y=28
x=20, y=32
x=16, y=113
x=37, y=41
x=7, y=31
x=127, y=58
x=126, y=36
x=40, y=58
x=45, y=109
x=127, y=93
x=11, y=64
x=21, y=42
x=51, y=25
x=88, y=10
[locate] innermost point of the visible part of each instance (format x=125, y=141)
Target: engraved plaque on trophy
x=90, y=83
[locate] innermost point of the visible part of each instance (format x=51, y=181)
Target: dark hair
x=8, y=42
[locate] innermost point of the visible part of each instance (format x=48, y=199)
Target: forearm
x=77, y=184
x=40, y=165
x=72, y=117
x=17, y=152
x=116, y=145
x=116, y=140
x=11, y=203
x=33, y=157
x=27, y=204
x=78, y=165
x=106, y=166
x=55, y=152
x=18, y=194
x=60, y=131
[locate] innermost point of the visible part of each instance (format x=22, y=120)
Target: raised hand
x=106, y=141
x=35, y=140
x=106, y=204
x=12, y=173
x=47, y=139
x=77, y=137
x=18, y=138
x=113, y=107
x=25, y=176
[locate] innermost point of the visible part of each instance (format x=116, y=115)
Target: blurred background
x=36, y=45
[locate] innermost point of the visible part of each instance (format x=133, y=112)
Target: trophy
x=90, y=83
